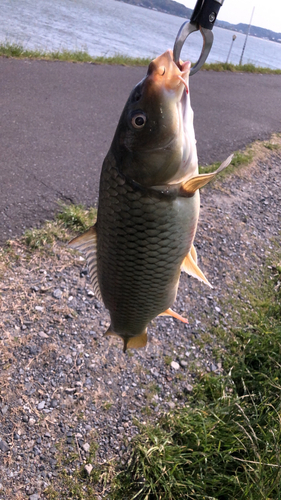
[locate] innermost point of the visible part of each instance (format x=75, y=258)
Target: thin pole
x=233, y=38
x=240, y=63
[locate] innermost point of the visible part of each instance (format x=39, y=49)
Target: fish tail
x=129, y=342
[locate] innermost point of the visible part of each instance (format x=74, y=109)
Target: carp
x=148, y=205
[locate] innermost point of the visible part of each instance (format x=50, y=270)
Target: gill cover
x=154, y=142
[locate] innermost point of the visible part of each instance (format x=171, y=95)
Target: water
x=107, y=27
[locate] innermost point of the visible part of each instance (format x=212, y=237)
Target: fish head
x=154, y=142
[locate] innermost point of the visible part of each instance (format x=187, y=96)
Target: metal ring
x=186, y=29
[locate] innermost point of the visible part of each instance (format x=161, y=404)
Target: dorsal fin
x=170, y=312
x=189, y=187
x=87, y=243
x=191, y=268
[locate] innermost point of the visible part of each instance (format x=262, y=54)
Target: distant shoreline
x=177, y=9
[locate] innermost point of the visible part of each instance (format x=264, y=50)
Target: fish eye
x=139, y=120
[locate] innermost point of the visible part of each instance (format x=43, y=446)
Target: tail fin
x=130, y=342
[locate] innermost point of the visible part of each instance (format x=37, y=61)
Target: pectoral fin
x=189, y=187
x=170, y=312
x=191, y=268
x=130, y=342
x=87, y=244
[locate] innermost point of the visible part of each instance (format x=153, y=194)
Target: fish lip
x=168, y=74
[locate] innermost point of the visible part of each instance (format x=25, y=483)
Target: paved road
x=58, y=119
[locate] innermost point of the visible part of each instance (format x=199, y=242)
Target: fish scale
x=139, y=250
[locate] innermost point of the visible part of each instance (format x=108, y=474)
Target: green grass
x=240, y=158
x=240, y=68
x=18, y=51
x=271, y=147
x=226, y=443
x=71, y=218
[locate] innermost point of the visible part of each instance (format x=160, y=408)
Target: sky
x=267, y=13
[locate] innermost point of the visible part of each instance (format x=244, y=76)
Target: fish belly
x=142, y=241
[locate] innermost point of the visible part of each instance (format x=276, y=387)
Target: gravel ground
x=65, y=386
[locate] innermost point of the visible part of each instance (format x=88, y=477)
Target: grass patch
x=227, y=442
x=70, y=219
x=240, y=158
x=271, y=146
x=76, y=217
x=18, y=51
x=81, y=483
x=240, y=68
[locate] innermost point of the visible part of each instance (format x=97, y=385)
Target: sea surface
x=108, y=27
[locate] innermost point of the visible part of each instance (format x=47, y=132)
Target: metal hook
x=186, y=29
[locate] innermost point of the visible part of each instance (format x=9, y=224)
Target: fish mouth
x=166, y=73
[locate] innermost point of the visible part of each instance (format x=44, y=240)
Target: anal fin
x=191, y=268
x=189, y=187
x=193, y=253
x=87, y=244
x=170, y=312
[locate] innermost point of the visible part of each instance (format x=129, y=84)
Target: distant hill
x=177, y=9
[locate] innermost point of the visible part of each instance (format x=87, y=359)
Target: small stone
x=175, y=365
x=41, y=405
x=86, y=447
x=54, y=403
x=4, y=410
x=4, y=446
x=88, y=468
x=154, y=372
x=35, y=288
x=70, y=390
x=25, y=418
x=57, y=293
x=188, y=389
x=33, y=350
x=43, y=335
x=90, y=293
x=217, y=309
x=31, y=421
x=183, y=363
x=35, y=496
x=171, y=404
x=39, y=308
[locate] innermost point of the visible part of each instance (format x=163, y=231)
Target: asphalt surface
x=58, y=120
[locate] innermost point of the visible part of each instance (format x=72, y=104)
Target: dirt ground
x=66, y=389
